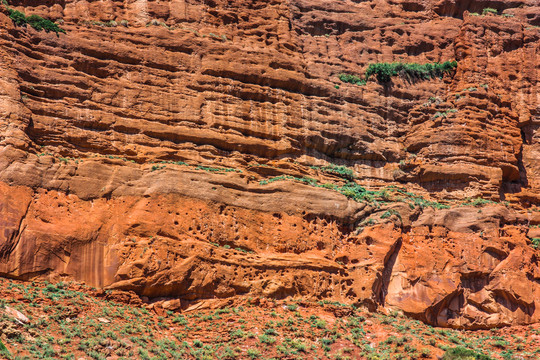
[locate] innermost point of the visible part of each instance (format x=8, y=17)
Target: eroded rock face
x=473, y=270
x=168, y=148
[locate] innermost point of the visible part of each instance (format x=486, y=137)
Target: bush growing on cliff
x=339, y=170
x=389, y=213
x=444, y=113
x=17, y=17
x=488, y=11
x=35, y=21
x=385, y=71
x=353, y=191
x=39, y=23
x=351, y=79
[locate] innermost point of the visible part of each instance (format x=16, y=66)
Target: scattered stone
x=172, y=305
x=16, y=314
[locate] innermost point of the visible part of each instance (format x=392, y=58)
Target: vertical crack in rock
x=387, y=271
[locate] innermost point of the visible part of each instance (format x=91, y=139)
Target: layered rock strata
x=178, y=149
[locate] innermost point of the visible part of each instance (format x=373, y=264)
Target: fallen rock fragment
x=16, y=314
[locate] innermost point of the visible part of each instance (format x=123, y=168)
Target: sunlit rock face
x=177, y=149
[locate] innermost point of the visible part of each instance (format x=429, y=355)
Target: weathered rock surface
x=132, y=151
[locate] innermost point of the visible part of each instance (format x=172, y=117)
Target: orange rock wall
x=87, y=117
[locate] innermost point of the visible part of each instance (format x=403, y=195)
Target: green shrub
x=253, y=353
x=35, y=21
x=198, y=343
x=351, y=79
x=265, y=339
x=339, y=170
x=17, y=17
x=487, y=11
x=298, y=345
x=39, y=23
x=535, y=243
x=327, y=341
x=237, y=334
x=270, y=332
x=385, y=71
x=425, y=353
x=443, y=114
x=180, y=319
x=319, y=324
x=353, y=191
x=389, y=213
x=156, y=167
x=292, y=307
x=461, y=353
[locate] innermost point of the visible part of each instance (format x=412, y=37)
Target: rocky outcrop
x=177, y=149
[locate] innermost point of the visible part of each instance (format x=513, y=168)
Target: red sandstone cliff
x=136, y=152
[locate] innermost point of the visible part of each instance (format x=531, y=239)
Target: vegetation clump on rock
x=351, y=79
x=385, y=71
x=412, y=71
x=35, y=21
x=339, y=170
x=487, y=11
